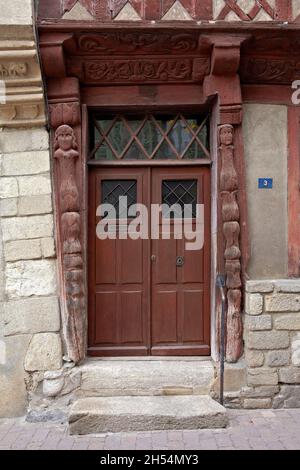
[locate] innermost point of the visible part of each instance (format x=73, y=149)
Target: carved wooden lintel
x=230, y=215
x=65, y=120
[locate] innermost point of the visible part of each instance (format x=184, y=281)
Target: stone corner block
x=256, y=323
x=257, y=403
x=259, y=286
x=44, y=353
x=33, y=315
x=254, y=304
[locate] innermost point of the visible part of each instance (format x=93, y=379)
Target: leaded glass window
x=182, y=196
x=150, y=137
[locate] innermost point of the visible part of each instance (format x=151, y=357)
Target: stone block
x=289, y=397
x=261, y=322
x=288, y=285
x=287, y=321
x=25, y=163
x=257, y=403
x=34, y=185
x=17, y=12
x=262, y=376
x=8, y=207
x=260, y=391
x=282, y=303
x=34, y=205
x=22, y=250
x=289, y=375
x=254, y=358
x=8, y=187
x=20, y=228
x=296, y=350
x=278, y=358
x=48, y=247
x=259, y=286
x=13, y=394
x=22, y=140
x=267, y=340
x=35, y=315
x=234, y=377
x=44, y=352
x=27, y=278
x=254, y=304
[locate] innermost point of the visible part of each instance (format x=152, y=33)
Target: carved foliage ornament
x=13, y=70
x=231, y=232
x=139, y=70
x=66, y=154
x=138, y=43
x=265, y=70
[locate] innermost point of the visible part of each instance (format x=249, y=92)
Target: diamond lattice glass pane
x=134, y=153
x=119, y=136
x=180, y=136
x=114, y=193
x=104, y=124
x=165, y=151
x=149, y=136
x=182, y=193
x=194, y=151
x=160, y=137
x=104, y=153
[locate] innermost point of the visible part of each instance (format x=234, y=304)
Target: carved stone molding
x=65, y=121
x=22, y=101
x=228, y=186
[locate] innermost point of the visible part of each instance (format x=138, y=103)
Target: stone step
x=125, y=414
x=133, y=377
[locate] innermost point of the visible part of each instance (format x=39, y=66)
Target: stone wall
x=272, y=344
x=29, y=309
x=266, y=156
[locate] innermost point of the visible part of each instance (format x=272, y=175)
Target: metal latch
x=179, y=261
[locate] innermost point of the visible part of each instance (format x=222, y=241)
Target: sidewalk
x=253, y=429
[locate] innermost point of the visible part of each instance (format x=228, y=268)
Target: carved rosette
x=66, y=156
x=231, y=232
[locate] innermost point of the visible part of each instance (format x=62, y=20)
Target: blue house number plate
x=265, y=183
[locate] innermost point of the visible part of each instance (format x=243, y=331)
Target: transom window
x=150, y=137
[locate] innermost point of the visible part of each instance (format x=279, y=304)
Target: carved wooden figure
x=231, y=231
x=66, y=155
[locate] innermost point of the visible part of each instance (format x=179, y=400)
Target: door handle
x=153, y=258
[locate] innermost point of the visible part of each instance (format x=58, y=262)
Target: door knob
x=179, y=261
x=153, y=258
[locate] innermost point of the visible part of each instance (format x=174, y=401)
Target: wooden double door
x=148, y=296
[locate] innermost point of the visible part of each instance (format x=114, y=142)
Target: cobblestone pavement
x=255, y=429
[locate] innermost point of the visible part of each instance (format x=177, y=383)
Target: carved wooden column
x=232, y=249
x=65, y=120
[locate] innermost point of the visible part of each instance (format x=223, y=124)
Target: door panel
x=140, y=301
x=119, y=298
x=181, y=286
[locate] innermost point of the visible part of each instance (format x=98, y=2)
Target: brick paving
x=255, y=429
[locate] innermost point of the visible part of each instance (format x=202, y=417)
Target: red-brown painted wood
x=294, y=190
x=128, y=313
